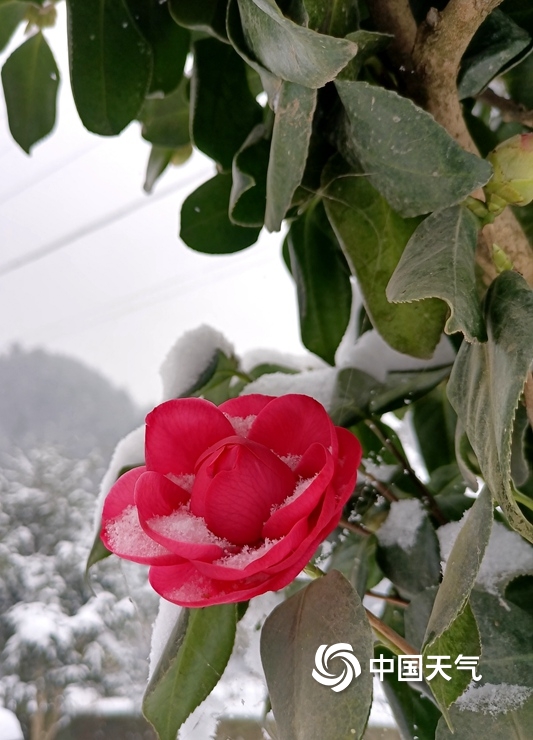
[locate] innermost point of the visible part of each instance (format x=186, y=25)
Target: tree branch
x=440, y=44
x=395, y=17
x=511, y=111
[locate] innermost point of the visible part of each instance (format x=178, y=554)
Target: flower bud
x=512, y=182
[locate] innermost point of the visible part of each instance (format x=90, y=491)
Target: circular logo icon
x=352, y=667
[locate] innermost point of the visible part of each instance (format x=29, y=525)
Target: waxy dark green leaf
x=486, y=384
x=292, y=633
x=165, y=121
x=498, y=43
x=414, y=163
x=439, y=262
x=30, y=78
x=322, y=280
x=11, y=14
x=192, y=663
x=291, y=135
x=208, y=16
x=373, y=238
x=205, y=224
x=221, y=100
x=290, y=51
x=110, y=64
x=168, y=41
x=434, y=422
x=369, y=43
x=216, y=382
x=249, y=173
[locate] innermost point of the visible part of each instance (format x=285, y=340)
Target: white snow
x=291, y=460
x=126, y=536
x=272, y=357
x=507, y=555
x=494, y=698
x=189, y=357
x=185, y=481
x=241, y=424
x=166, y=620
x=183, y=526
x=10, y=728
x=402, y=524
x=301, y=486
x=319, y=384
x=247, y=555
x=129, y=451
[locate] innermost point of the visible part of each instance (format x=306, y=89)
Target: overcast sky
x=118, y=297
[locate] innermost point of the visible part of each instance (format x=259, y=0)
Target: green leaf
x=461, y=569
x=507, y=639
x=110, y=64
x=414, y=567
x=355, y=557
x=415, y=715
x=369, y=43
x=98, y=552
x=270, y=82
x=439, y=262
x=434, y=423
x=288, y=152
x=159, y=159
x=11, y=14
x=220, y=97
x=414, y=163
x=205, y=224
x=333, y=19
x=462, y=636
x=249, y=173
x=208, y=16
x=498, y=43
x=518, y=80
x=510, y=725
x=192, y=663
x=168, y=41
x=215, y=384
x=322, y=280
x=290, y=51
x=373, y=238
x=487, y=382
x=293, y=632
x=165, y=121
x=30, y=78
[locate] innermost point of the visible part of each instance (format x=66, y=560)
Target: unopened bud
x=512, y=182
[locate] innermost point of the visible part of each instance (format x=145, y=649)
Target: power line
x=47, y=173
x=107, y=220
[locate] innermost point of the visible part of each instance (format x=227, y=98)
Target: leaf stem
x=354, y=527
x=378, y=485
x=523, y=499
x=313, y=571
x=424, y=494
x=389, y=599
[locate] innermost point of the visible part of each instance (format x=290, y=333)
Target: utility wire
x=68, y=239
x=47, y=173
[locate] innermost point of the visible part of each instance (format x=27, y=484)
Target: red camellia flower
x=233, y=500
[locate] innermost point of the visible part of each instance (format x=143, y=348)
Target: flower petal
x=244, y=406
x=290, y=424
x=304, y=499
x=185, y=586
x=236, y=487
x=179, y=431
x=121, y=529
x=166, y=519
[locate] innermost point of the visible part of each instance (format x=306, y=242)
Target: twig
x=395, y=17
x=510, y=110
x=354, y=527
x=390, y=599
x=389, y=637
x=380, y=487
x=425, y=495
